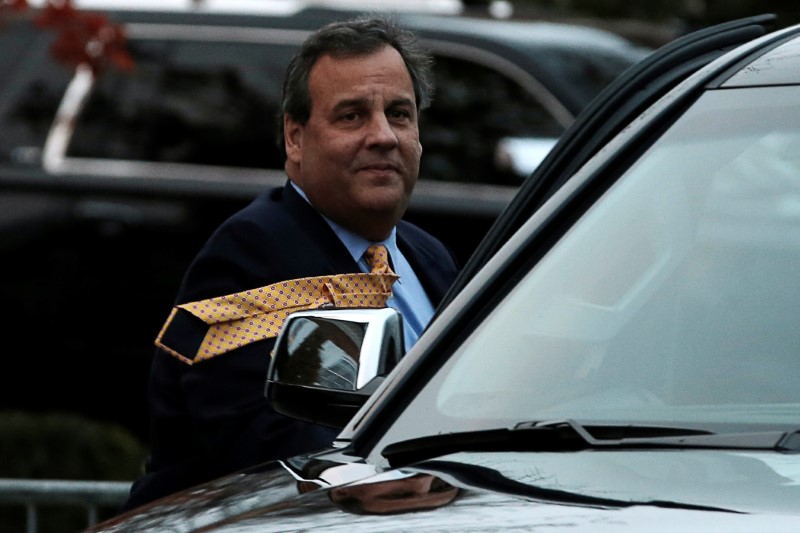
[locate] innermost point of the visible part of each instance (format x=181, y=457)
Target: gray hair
x=352, y=38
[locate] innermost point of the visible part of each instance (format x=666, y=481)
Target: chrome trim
x=55, y=146
x=125, y=168
x=459, y=197
x=236, y=34
x=371, y=351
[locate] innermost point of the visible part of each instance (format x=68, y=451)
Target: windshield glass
x=673, y=300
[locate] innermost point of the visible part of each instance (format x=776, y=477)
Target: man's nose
x=381, y=132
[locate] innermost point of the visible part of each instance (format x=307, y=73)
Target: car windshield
x=673, y=300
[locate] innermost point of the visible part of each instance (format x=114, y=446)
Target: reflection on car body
x=410, y=493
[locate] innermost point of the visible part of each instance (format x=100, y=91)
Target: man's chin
x=386, y=207
x=387, y=199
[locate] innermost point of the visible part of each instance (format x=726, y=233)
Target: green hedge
x=68, y=447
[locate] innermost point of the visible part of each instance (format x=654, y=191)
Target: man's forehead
x=336, y=79
x=348, y=55
x=353, y=68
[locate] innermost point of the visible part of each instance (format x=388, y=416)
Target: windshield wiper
x=568, y=435
x=670, y=437
x=482, y=476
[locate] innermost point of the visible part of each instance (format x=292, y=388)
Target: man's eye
x=350, y=117
x=399, y=113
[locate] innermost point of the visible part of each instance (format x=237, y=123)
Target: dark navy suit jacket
x=211, y=418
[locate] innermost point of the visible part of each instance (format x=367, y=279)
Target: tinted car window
x=194, y=102
x=473, y=109
x=584, y=74
x=214, y=102
x=31, y=90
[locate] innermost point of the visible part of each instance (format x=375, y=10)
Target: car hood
x=687, y=490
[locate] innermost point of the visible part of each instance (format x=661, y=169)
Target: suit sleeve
x=212, y=416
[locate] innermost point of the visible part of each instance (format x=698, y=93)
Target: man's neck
x=371, y=233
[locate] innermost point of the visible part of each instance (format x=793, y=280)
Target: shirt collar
x=354, y=243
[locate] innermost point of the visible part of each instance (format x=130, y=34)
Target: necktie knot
x=377, y=257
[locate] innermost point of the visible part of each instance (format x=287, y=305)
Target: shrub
x=67, y=447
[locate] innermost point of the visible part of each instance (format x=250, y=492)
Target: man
x=350, y=136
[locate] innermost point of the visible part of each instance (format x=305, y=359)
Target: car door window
x=474, y=108
x=196, y=102
x=215, y=103
x=585, y=75
x=31, y=90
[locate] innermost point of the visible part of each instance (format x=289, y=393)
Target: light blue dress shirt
x=408, y=296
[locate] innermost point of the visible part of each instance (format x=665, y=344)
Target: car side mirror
x=327, y=362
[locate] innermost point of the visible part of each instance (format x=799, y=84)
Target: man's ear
x=292, y=138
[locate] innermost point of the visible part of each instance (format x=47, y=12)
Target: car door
x=647, y=83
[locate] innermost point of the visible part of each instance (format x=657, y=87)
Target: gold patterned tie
x=257, y=314
x=377, y=257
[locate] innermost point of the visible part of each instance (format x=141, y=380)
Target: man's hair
x=354, y=38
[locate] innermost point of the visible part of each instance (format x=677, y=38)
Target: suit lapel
x=428, y=269
x=323, y=253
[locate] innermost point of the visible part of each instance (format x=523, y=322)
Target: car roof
x=420, y=15
x=778, y=66
x=271, y=7
x=524, y=32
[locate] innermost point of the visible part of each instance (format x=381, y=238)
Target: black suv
x=112, y=182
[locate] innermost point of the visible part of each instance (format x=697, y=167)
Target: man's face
x=357, y=156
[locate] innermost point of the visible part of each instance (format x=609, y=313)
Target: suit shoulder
x=424, y=242
x=260, y=213
x=418, y=236
x=239, y=253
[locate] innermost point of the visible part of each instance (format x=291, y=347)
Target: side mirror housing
x=327, y=362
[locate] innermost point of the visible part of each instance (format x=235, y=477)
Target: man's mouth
x=380, y=167
x=379, y=170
